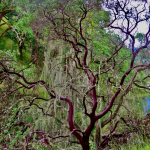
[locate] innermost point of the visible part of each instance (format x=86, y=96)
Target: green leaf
x=15, y=110
x=11, y=146
x=13, y=141
x=5, y=131
x=8, y=124
x=19, y=132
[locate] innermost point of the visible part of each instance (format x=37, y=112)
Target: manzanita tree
x=97, y=80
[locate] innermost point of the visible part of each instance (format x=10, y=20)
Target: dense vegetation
x=67, y=80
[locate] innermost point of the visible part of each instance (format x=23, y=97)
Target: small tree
x=83, y=76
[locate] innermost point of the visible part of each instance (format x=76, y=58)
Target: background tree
x=5, y=7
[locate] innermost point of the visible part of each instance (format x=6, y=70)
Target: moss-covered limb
x=3, y=24
x=3, y=33
x=125, y=92
x=5, y=11
x=98, y=135
x=5, y=5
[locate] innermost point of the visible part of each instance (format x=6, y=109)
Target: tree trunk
x=98, y=135
x=36, y=48
x=85, y=145
x=20, y=49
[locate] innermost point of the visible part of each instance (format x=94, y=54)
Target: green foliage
x=7, y=130
x=101, y=48
x=140, y=37
x=136, y=143
x=92, y=145
x=22, y=22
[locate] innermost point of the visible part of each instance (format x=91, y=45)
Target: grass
x=136, y=143
x=147, y=147
x=144, y=146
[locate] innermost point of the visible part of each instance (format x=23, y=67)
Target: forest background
x=67, y=80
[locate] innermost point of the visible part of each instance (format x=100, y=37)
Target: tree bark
x=20, y=49
x=98, y=135
x=85, y=144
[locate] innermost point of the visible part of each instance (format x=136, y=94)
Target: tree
x=143, y=56
x=4, y=11
x=8, y=16
x=92, y=79
x=20, y=20
x=30, y=24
